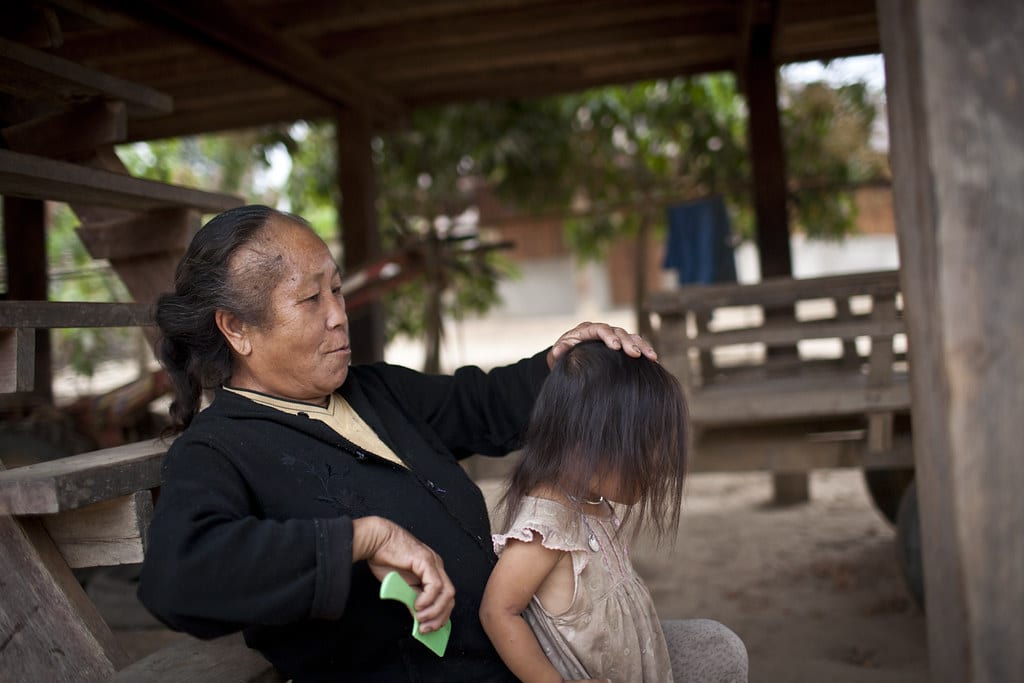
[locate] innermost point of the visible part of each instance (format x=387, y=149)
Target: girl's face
x=608, y=484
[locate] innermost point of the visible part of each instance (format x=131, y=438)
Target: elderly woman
x=306, y=479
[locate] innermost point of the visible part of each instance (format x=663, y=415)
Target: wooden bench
x=790, y=374
x=89, y=510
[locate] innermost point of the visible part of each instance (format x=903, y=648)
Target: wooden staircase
x=62, y=150
x=59, y=123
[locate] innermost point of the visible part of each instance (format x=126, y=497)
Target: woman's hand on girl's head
x=614, y=337
x=388, y=547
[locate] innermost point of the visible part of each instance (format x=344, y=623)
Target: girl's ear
x=235, y=331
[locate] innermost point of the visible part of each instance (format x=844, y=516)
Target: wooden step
x=189, y=659
x=79, y=480
x=24, y=175
x=35, y=75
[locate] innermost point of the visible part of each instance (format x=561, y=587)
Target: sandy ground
x=814, y=589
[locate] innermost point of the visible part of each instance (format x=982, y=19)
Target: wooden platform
x=813, y=369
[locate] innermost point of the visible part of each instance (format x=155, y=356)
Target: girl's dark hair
x=192, y=348
x=602, y=411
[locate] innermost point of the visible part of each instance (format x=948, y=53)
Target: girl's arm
x=520, y=571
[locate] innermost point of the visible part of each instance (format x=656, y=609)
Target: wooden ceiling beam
x=482, y=30
x=320, y=15
x=816, y=41
x=868, y=47
x=518, y=83
x=220, y=26
x=181, y=74
x=541, y=50
x=801, y=11
x=38, y=75
x=758, y=20
x=102, y=46
x=253, y=114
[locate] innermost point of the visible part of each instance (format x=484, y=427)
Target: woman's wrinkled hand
x=614, y=338
x=388, y=547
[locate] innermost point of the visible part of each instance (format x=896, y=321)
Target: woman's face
x=301, y=352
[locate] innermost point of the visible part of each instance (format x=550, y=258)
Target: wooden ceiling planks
x=410, y=53
x=228, y=28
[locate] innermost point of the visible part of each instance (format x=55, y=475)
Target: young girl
x=564, y=601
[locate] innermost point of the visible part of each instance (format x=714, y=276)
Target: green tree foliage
x=426, y=174
x=608, y=159
x=611, y=159
x=827, y=132
x=74, y=276
x=624, y=149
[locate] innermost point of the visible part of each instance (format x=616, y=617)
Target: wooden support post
x=767, y=154
x=49, y=629
x=360, y=234
x=153, y=232
x=143, y=248
x=955, y=85
x=25, y=246
x=17, y=359
x=670, y=342
x=706, y=363
x=880, y=373
x=768, y=161
x=48, y=626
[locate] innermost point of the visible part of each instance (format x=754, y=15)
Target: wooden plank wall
x=955, y=84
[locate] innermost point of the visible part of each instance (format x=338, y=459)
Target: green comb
x=394, y=587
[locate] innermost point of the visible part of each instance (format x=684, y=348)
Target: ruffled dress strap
x=559, y=528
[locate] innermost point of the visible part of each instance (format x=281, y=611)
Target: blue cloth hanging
x=699, y=245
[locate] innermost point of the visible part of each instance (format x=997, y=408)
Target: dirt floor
x=814, y=589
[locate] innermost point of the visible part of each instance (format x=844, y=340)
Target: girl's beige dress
x=611, y=630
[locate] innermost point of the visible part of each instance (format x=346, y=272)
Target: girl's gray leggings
x=705, y=651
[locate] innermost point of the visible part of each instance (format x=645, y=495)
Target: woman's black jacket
x=253, y=525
